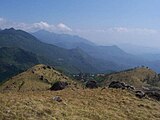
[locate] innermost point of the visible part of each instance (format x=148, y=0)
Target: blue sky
x=90, y=18
x=89, y=13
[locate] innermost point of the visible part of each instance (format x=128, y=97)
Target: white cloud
x=42, y=25
x=129, y=30
x=1, y=19
x=118, y=29
x=3, y=23
x=122, y=35
x=145, y=30
x=63, y=27
x=106, y=36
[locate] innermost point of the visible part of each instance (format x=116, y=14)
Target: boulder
x=59, y=85
x=140, y=94
x=57, y=98
x=130, y=87
x=122, y=85
x=153, y=94
x=117, y=84
x=49, y=67
x=91, y=84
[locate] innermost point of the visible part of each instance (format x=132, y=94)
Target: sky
x=104, y=22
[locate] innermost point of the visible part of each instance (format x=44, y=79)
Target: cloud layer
x=61, y=27
x=107, y=36
x=123, y=35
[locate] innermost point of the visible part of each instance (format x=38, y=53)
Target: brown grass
x=138, y=77
x=77, y=104
x=30, y=79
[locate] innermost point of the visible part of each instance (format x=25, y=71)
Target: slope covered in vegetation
x=139, y=77
x=82, y=104
x=39, y=77
x=15, y=60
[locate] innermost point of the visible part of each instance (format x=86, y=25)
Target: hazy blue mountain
x=109, y=53
x=61, y=40
x=74, y=60
x=106, y=53
x=139, y=50
x=150, y=57
x=153, y=60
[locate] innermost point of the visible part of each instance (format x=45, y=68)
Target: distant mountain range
x=71, y=54
x=109, y=53
x=69, y=60
x=139, y=50
x=62, y=40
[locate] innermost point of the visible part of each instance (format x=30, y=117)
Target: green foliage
x=72, y=61
x=14, y=61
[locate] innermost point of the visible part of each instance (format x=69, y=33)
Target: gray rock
x=91, y=84
x=121, y=85
x=140, y=94
x=57, y=98
x=117, y=84
x=153, y=94
x=59, y=85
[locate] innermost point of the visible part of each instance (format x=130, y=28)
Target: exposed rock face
x=60, y=85
x=140, y=94
x=130, y=87
x=91, y=84
x=117, y=84
x=153, y=94
x=122, y=85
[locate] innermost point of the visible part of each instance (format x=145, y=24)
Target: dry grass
x=30, y=79
x=138, y=77
x=77, y=104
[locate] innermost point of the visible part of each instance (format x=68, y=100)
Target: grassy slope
x=79, y=104
x=137, y=77
x=28, y=80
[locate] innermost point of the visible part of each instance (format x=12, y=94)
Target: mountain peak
x=39, y=77
x=10, y=29
x=62, y=40
x=139, y=77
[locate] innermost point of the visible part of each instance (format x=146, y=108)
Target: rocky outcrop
x=91, y=84
x=153, y=94
x=59, y=85
x=140, y=94
x=121, y=85
x=116, y=84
